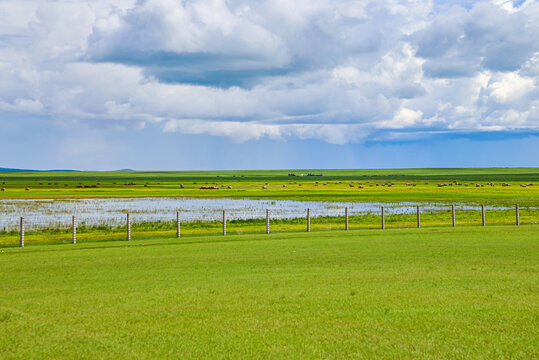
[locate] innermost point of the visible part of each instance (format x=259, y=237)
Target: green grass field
x=439, y=293
x=249, y=183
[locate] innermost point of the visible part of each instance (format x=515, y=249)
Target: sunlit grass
x=433, y=293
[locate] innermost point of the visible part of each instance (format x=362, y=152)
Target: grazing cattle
x=27, y=189
x=284, y=185
x=3, y=189
x=181, y=186
x=230, y=187
x=351, y=185
x=360, y=186
x=209, y=188
x=264, y=187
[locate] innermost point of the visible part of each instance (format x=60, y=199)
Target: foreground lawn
x=401, y=293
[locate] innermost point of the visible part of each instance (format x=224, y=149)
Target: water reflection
x=40, y=213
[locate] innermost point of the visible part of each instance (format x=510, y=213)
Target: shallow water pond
x=41, y=213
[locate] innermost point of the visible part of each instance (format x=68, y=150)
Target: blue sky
x=213, y=84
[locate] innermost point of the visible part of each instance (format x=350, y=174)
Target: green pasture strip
x=438, y=293
x=100, y=233
x=249, y=183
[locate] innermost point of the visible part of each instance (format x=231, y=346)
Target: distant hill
x=29, y=170
x=15, y=170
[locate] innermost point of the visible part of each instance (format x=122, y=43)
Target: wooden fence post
x=346, y=218
x=517, y=215
x=308, y=220
x=418, y=217
x=483, y=214
x=74, y=235
x=224, y=222
x=22, y=232
x=383, y=219
x=178, y=234
x=267, y=221
x=128, y=227
x=453, y=214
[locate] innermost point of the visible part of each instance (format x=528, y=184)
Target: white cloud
x=510, y=87
x=403, y=118
x=339, y=71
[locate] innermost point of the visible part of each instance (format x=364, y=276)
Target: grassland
x=248, y=184
x=402, y=293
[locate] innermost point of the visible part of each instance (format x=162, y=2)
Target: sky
x=268, y=84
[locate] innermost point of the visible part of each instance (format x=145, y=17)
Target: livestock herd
x=360, y=185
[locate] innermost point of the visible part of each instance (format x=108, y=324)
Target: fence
x=267, y=222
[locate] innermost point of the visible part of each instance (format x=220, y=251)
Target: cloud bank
x=339, y=71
